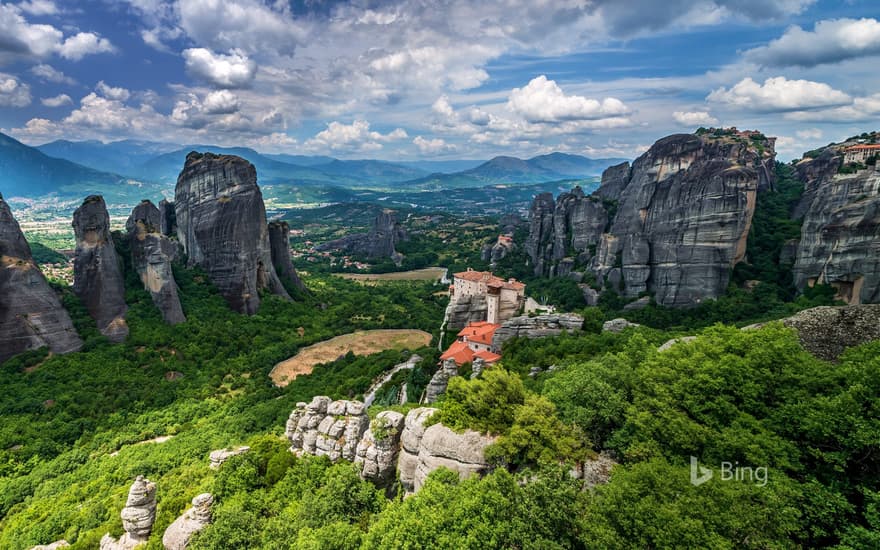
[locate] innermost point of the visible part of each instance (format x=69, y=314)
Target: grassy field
x=360, y=343
x=426, y=274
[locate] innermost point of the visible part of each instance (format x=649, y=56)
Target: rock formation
x=840, y=236
x=221, y=223
x=410, y=446
x=439, y=382
x=151, y=256
x=279, y=242
x=137, y=517
x=97, y=269
x=618, y=325
x=380, y=242
x=31, y=315
x=673, y=224
x=539, y=326
x=53, y=546
x=463, y=310
x=827, y=331
x=167, y=218
x=379, y=447
x=220, y=456
x=327, y=428
x=179, y=533
x=497, y=251
x=460, y=452
x=596, y=471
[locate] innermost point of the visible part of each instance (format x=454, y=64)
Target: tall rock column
x=151, y=256
x=279, y=241
x=138, y=517
x=97, y=270
x=31, y=315
x=221, y=223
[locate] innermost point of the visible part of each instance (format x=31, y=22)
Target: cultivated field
x=426, y=274
x=360, y=343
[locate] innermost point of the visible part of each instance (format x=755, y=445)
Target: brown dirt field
x=360, y=343
x=426, y=274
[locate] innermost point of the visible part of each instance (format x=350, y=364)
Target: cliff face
x=151, y=256
x=31, y=315
x=221, y=223
x=279, y=242
x=380, y=242
x=840, y=236
x=97, y=269
x=674, y=224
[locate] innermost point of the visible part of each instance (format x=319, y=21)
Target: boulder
x=539, y=326
x=53, y=546
x=460, y=452
x=410, y=443
x=220, y=456
x=827, y=331
x=97, y=269
x=151, y=256
x=641, y=303
x=327, y=428
x=31, y=315
x=596, y=471
x=179, y=533
x=137, y=517
x=670, y=343
x=379, y=447
x=279, y=242
x=438, y=383
x=618, y=325
x=222, y=227
x=591, y=295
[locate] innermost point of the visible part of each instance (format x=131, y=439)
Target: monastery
x=860, y=153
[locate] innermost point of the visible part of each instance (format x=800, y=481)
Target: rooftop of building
x=461, y=354
x=480, y=332
x=490, y=279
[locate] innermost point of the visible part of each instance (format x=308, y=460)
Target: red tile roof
x=461, y=354
x=490, y=279
x=863, y=147
x=480, y=332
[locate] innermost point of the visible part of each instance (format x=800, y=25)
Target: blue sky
x=427, y=79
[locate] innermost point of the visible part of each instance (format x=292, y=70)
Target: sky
x=441, y=79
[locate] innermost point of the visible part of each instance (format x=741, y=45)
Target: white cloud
x=830, y=41
x=432, y=146
x=862, y=110
x=248, y=25
x=694, y=118
x=542, y=100
x=779, y=94
x=57, y=101
x=234, y=70
x=101, y=113
x=13, y=93
x=47, y=73
x=221, y=102
x=356, y=136
x=20, y=38
x=39, y=7
x=82, y=44
x=110, y=92
x=809, y=133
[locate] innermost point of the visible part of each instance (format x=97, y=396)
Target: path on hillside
x=370, y=395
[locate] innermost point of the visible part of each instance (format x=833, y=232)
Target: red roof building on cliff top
x=503, y=298
x=860, y=153
x=474, y=340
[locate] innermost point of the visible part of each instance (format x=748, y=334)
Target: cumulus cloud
x=221, y=102
x=694, y=118
x=57, y=101
x=356, y=136
x=47, y=73
x=234, y=70
x=13, y=93
x=110, y=92
x=39, y=7
x=830, y=41
x=249, y=25
x=20, y=38
x=542, y=100
x=779, y=94
x=432, y=146
x=82, y=44
x=218, y=108
x=861, y=110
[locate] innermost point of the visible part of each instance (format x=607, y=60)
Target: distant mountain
x=505, y=170
x=441, y=166
x=372, y=170
x=118, y=157
x=300, y=160
x=28, y=172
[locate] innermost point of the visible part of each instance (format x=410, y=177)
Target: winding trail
x=370, y=394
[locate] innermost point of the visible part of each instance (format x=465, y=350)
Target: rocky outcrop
x=460, y=452
x=439, y=382
x=179, y=533
x=463, y=310
x=827, y=331
x=669, y=344
x=218, y=457
x=31, y=315
x=222, y=227
x=327, y=428
x=840, y=236
x=497, y=251
x=596, y=471
x=53, y=546
x=279, y=242
x=137, y=517
x=378, y=449
x=673, y=224
x=380, y=242
x=539, y=326
x=410, y=446
x=151, y=256
x=97, y=269
x=167, y=218
x=618, y=325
